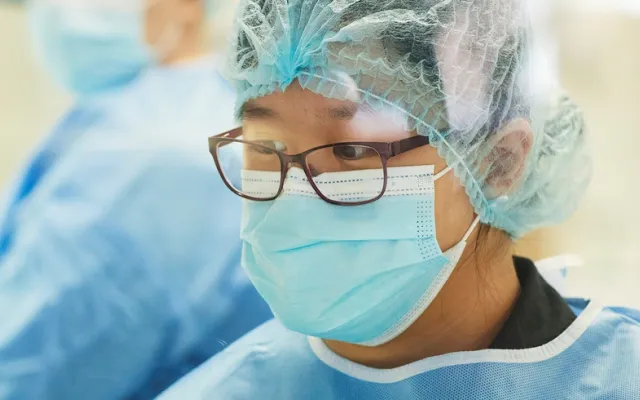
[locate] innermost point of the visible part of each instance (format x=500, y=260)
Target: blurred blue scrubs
x=119, y=247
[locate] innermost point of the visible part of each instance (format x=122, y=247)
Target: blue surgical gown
x=597, y=357
x=119, y=246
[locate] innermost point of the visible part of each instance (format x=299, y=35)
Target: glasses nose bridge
x=293, y=159
x=289, y=160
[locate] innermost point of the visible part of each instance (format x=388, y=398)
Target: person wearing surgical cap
x=119, y=250
x=393, y=151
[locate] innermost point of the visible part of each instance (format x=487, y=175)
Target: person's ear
x=507, y=159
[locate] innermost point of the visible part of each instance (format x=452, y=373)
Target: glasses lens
x=252, y=169
x=347, y=173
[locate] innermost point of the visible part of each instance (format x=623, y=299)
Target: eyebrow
x=251, y=110
x=345, y=113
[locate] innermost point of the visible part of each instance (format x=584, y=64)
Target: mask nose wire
x=442, y=173
x=309, y=171
x=296, y=162
x=475, y=222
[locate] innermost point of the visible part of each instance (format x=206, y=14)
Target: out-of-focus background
x=29, y=102
x=599, y=58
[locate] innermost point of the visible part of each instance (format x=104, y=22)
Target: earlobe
x=507, y=159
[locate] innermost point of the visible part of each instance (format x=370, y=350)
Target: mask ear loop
x=475, y=222
x=442, y=173
x=473, y=226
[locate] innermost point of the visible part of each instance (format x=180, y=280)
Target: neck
x=191, y=46
x=466, y=315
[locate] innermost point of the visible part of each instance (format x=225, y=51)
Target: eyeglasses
x=264, y=164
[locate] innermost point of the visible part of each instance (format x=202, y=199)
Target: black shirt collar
x=539, y=315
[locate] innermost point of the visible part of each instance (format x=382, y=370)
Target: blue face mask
x=87, y=48
x=359, y=274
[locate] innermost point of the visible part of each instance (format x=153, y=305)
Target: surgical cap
x=459, y=71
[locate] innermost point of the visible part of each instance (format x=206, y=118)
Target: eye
x=353, y=152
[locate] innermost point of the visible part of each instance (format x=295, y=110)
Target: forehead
x=300, y=114
x=297, y=107
x=296, y=102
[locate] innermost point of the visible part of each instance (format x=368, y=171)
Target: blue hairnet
x=459, y=70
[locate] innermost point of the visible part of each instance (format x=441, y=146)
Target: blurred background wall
x=599, y=57
x=29, y=101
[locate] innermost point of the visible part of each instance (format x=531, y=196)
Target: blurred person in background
x=393, y=151
x=119, y=248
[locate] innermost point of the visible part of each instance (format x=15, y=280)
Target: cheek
x=425, y=155
x=454, y=213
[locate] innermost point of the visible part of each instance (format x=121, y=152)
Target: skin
x=541, y=244
x=471, y=308
x=175, y=29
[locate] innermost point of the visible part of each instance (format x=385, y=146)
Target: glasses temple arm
x=408, y=144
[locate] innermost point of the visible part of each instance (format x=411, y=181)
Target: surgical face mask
x=93, y=45
x=359, y=274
